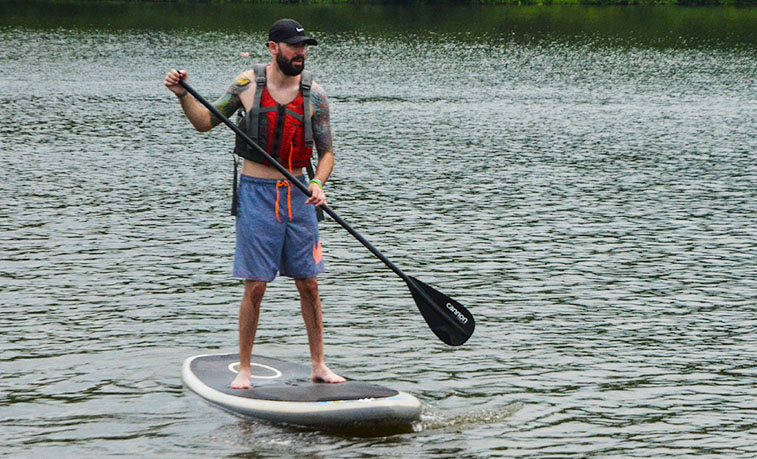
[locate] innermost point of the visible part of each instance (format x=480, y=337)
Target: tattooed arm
x=201, y=118
x=319, y=106
x=231, y=101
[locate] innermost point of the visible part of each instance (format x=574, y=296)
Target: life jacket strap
x=235, y=191
x=306, y=82
x=254, y=119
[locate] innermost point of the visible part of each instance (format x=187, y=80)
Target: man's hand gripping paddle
x=448, y=319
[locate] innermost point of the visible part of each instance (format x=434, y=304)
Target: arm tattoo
x=321, y=121
x=230, y=102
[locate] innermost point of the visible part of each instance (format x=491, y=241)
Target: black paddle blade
x=448, y=319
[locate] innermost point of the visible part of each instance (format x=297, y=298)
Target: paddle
x=448, y=319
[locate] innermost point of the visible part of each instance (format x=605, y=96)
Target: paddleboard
x=282, y=392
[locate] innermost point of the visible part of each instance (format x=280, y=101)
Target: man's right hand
x=172, y=80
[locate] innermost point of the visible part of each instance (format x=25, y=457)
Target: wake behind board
x=283, y=392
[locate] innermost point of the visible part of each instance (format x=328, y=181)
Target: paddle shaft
x=296, y=182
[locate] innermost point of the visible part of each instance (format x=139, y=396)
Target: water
x=582, y=179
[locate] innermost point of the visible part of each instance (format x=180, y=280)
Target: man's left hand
x=318, y=197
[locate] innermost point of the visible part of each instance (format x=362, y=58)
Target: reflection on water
x=592, y=202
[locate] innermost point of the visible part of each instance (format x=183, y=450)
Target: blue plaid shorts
x=276, y=231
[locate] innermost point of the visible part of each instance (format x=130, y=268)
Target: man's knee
x=254, y=289
x=308, y=287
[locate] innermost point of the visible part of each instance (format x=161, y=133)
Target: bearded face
x=291, y=67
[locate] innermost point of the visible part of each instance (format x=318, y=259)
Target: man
x=277, y=229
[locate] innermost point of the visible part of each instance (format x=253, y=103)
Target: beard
x=288, y=67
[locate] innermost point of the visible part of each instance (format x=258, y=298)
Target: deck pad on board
x=274, y=379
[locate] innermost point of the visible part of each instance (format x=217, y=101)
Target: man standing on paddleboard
x=276, y=226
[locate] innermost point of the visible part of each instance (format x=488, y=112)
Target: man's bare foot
x=323, y=374
x=242, y=381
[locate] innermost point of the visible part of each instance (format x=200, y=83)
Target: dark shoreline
x=742, y=3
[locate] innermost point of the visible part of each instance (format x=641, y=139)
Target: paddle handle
x=292, y=179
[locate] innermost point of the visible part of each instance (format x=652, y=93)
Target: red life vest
x=285, y=136
x=283, y=131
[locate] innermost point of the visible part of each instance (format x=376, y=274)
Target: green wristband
x=182, y=95
x=317, y=182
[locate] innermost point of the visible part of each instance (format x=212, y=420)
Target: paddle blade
x=448, y=319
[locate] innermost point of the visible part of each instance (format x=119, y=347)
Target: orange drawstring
x=291, y=148
x=280, y=183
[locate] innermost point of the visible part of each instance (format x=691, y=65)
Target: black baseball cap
x=289, y=31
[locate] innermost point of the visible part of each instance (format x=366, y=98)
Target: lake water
x=582, y=179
